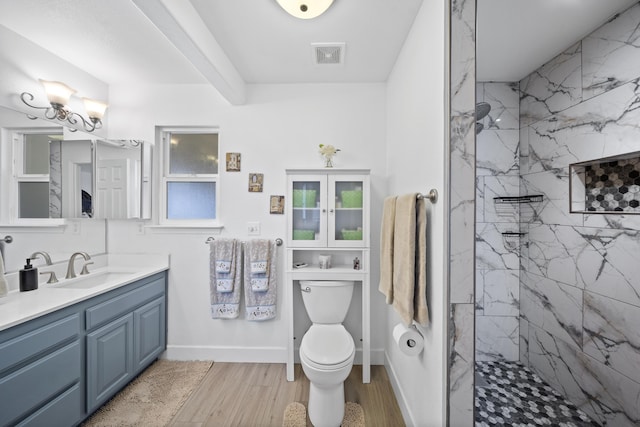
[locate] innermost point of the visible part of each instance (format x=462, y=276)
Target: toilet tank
x=326, y=301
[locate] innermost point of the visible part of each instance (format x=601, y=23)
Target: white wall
x=415, y=163
x=280, y=127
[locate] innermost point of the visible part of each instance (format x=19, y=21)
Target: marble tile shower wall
x=580, y=275
x=497, y=256
x=461, y=204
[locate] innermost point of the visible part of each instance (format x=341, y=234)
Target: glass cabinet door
x=347, y=225
x=307, y=226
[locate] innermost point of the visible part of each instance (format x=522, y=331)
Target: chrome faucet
x=47, y=260
x=71, y=272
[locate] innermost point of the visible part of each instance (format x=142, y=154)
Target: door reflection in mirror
x=118, y=183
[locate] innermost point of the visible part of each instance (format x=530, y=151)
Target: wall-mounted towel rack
x=432, y=196
x=279, y=241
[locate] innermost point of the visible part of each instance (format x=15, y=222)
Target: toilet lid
x=327, y=345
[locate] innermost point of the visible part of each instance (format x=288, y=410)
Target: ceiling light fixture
x=305, y=9
x=59, y=94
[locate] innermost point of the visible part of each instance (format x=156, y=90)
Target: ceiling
x=233, y=42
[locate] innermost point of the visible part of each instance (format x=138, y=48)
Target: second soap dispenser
x=28, y=277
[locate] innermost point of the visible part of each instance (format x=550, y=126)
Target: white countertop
x=18, y=307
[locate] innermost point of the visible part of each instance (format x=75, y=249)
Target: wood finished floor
x=256, y=394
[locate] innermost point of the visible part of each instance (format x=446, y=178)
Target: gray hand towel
x=260, y=302
x=225, y=288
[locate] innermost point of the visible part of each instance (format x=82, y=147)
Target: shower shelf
x=518, y=199
x=511, y=240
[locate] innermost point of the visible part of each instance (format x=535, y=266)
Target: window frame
x=165, y=177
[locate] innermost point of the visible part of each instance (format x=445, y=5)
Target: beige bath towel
x=386, y=248
x=404, y=256
x=420, y=309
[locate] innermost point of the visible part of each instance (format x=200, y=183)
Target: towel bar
x=432, y=196
x=279, y=241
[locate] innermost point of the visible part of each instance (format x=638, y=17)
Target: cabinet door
x=149, y=332
x=307, y=211
x=348, y=220
x=109, y=360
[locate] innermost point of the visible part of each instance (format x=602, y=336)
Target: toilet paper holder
x=408, y=339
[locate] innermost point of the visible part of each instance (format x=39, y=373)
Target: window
x=190, y=176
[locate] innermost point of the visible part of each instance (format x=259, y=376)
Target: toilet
x=327, y=350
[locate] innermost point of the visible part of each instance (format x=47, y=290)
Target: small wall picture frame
x=255, y=182
x=233, y=162
x=276, y=205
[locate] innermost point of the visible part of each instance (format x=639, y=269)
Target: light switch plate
x=253, y=228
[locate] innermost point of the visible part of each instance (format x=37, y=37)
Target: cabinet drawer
x=33, y=343
x=28, y=388
x=124, y=303
x=64, y=410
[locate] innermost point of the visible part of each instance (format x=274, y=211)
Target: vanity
x=67, y=348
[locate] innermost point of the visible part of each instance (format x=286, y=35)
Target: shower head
x=479, y=127
x=482, y=109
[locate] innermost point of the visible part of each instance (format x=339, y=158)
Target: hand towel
x=420, y=308
x=404, y=256
x=224, y=253
x=225, y=288
x=386, y=248
x=260, y=303
x=259, y=255
x=4, y=286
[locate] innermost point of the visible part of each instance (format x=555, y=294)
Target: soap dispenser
x=28, y=277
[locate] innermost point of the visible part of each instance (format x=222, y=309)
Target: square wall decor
x=608, y=185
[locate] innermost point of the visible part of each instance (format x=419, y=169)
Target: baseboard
x=400, y=396
x=227, y=354
x=249, y=354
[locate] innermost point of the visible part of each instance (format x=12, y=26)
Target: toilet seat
x=327, y=347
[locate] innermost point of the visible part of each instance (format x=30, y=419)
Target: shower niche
x=609, y=185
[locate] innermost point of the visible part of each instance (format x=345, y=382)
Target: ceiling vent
x=328, y=53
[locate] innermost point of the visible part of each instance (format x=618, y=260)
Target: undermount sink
x=92, y=280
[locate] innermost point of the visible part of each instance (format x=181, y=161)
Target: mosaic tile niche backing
x=613, y=186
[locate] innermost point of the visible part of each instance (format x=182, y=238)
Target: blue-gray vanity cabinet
x=149, y=324
x=59, y=368
x=41, y=371
x=109, y=360
x=130, y=334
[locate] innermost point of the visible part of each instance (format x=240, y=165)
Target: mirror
x=122, y=179
x=58, y=177
x=70, y=180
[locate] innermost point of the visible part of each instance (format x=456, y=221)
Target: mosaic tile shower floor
x=513, y=395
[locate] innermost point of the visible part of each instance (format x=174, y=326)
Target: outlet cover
x=253, y=228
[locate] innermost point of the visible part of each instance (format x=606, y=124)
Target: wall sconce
x=305, y=9
x=59, y=94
